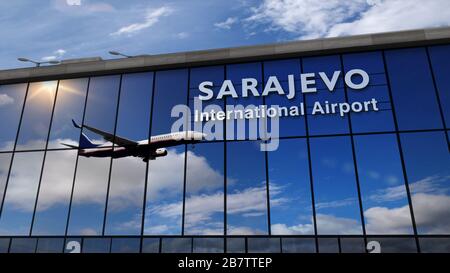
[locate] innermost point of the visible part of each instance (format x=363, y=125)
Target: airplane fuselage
x=145, y=148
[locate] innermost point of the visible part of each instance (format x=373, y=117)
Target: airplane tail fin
x=85, y=142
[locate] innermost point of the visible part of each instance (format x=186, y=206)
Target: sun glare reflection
x=65, y=87
x=43, y=91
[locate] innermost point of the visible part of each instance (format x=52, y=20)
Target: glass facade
x=364, y=182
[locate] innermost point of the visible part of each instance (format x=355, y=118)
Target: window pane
x=89, y=196
x=412, y=89
x=290, y=189
x=325, y=124
x=299, y=245
x=291, y=125
x=243, y=128
x=23, y=245
x=54, y=194
x=50, y=245
x=385, y=203
x=198, y=75
x=176, y=245
x=246, y=189
x=11, y=104
x=127, y=183
x=69, y=105
x=335, y=189
x=73, y=245
x=126, y=195
x=133, y=118
x=352, y=245
x=4, y=245
x=440, y=60
x=235, y=245
x=150, y=245
x=5, y=161
x=395, y=245
x=427, y=165
x=96, y=245
x=372, y=63
x=434, y=245
x=165, y=193
x=101, y=105
x=165, y=179
x=21, y=194
x=36, y=116
x=208, y=245
x=204, y=211
x=170, y=90
x=263, y=245
x=328, y=245
x=125, y=245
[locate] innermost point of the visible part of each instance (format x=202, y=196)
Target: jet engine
x=159, y=152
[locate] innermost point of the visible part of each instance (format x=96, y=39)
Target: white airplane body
x=148, y=149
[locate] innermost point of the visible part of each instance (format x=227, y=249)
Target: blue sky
x=62, y=29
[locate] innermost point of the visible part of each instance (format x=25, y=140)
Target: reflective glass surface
x=332, y=183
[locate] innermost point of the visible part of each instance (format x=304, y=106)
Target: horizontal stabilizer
x=69, y=145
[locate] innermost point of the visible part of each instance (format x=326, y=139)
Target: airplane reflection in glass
x=122, y=147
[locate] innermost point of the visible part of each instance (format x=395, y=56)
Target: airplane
x=147, y=149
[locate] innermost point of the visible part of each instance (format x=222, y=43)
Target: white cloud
x=152, y=17
x=242, y=230
x=57, y=54
x=80, y=7
x=182, y=35
x=313, y=19
x=165, y=179
x=388, y=194
x=330, y=224
x=307, y=17
x=88, y=232
x=336, y=203
x=200, y=207
x=430, y=199
x=395, y=15
x=5, y=100
x=383, y=220
x=73, y=2
x=227, y=24
x=283, y=229
x=431, y=212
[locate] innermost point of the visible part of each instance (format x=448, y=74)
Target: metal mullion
x=400, y=149
x=266, y=162
x=339, y=244
x=225, y=175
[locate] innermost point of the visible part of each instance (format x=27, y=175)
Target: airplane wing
x=110, y=137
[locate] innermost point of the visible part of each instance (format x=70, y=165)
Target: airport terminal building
x=359, y=162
